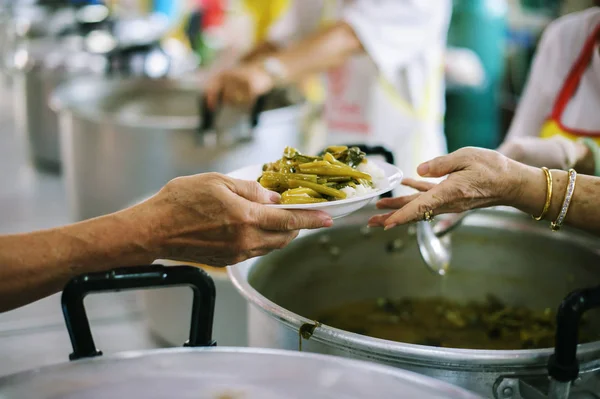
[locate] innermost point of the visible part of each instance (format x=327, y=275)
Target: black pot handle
x=376, y=150
x=257, y=109
x=563, y=365
x=207, y=116
x=138, y=277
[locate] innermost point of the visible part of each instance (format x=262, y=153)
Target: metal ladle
x=434, y=246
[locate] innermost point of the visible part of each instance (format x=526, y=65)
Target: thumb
x=441, y=166
x=254, y=192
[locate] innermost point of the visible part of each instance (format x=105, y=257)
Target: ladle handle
x=563, y=365
x=137, y=277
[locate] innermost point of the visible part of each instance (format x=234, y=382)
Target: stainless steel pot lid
x=219, y=373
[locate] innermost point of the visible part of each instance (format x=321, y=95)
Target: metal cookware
x=495, y=251
x=167, y=311
x=202, y=372
x=92, y=48
x=125, y=138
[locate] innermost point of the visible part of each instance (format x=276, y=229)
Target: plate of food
x=340, y=181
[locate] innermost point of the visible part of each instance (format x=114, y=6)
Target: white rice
x=376, y=173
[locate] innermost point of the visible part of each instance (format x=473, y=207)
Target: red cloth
x=213, y=12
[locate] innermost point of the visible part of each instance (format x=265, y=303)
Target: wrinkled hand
x=238, y=86
x=477, y=178
x=556, y=152
x=218, y=221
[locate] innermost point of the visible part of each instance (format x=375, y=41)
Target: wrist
x=276, y=69
x=144, y=225
x=529, y=188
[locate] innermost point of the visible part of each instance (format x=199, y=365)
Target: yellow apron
x=553, y=125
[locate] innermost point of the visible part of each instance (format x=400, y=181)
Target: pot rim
x=391, y=350
x=62, y=101
x=358, y=365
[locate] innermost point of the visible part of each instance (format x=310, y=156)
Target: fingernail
x=390, y=226
x=423, y=169
x=274, y=197
x=327, y=222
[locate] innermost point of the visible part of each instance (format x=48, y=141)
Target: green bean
x=331, y=159
x=328, y=191
x=302, y=190
x=300, y=199
x=335, y=170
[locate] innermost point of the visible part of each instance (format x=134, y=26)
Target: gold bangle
x=548, y=194
x=555, y=226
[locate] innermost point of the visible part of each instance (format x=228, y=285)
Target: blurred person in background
x=557, y=123
x=384, y=66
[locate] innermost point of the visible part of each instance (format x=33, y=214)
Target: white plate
x=340, y=208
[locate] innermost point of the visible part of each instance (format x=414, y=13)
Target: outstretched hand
x=477, y=178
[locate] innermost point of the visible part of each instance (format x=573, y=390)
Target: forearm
x=328, y=48
x=35, y=265
x=584, y=212
x=262, y=50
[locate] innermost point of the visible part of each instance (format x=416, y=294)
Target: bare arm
x=479, y=178
x=327, y=48
x=208, y=219
x=584, y=211
x=35, y=265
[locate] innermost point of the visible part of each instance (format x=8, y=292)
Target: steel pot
x=496, y=251
x=124, y=138
x=38, y=67
x=202, y=372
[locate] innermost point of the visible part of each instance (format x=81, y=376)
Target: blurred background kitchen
x=69, y=66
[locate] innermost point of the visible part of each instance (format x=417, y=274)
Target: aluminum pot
x=496, y=251
x=124, y=138
x=203, y=371
x=37, y=68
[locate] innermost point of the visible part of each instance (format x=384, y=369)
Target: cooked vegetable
x=320, y=188
x=488, y=324
x=306, y=179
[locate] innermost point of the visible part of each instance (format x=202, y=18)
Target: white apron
x=361, y=106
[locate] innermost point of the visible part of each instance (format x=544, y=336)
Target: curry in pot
x=442, y=322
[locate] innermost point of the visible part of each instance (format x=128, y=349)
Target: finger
x=379, y=220
x=420, y=185
x=254, y=192
x=441, y=166
x=286, y=220
x=396, y=203
x=430, y=201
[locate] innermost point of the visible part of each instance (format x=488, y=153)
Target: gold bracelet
x=555, y=226
x=548, y=194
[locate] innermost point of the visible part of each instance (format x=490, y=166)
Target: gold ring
x=428, y=217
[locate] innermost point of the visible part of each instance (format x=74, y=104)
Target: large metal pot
x=122, y=139
x=38, y=67
x=202, y=372
x=496, y=251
